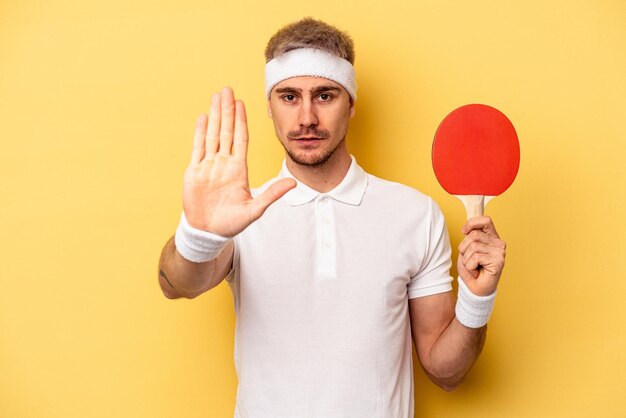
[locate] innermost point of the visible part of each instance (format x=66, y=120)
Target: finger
x=227, y=124
x=197, y=153
x=271, y=195
x=489, y=262
x=482, y=237
x=475, y=261
x=483, y=223
x=465, y=273
x=240, y=144
x=212, y=139
x=473, y=248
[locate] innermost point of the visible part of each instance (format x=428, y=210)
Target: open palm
x=216, y=192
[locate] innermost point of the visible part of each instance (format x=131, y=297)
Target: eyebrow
x=324, y=88
x=317, y=89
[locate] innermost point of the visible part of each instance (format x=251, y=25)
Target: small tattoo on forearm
x=162, y=274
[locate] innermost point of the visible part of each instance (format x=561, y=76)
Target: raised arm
x=446, y=347
x=216, y=197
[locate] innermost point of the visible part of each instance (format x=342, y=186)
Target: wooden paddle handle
x=474, y=204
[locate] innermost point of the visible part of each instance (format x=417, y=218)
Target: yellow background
x=97, y=107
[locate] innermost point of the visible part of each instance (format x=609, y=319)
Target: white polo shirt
x=321, y=286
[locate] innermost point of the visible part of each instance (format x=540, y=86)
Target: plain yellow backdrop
x=97, y=106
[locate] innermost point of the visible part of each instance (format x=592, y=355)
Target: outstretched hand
x=481, y=256
x=216, y=192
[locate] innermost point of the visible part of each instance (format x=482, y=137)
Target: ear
x=269, y=110
x=352, y=110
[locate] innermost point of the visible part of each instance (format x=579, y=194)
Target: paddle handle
x=474, y=204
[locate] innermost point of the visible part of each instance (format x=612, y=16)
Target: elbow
x=172, y=293
x=167, y=288
x=169, y=292
x=190, y=295
x=447, y=382
x=449, y=385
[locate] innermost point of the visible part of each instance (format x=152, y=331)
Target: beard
x=311, y=160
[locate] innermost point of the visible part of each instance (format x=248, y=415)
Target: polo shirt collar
x=350, y=190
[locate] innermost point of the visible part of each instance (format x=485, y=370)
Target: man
x=331, y=269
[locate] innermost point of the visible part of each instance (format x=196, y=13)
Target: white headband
x=310, y=62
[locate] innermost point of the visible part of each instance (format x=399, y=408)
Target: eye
x=289, y=97
x=325, y=97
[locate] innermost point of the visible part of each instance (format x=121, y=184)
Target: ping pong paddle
x=475, y=155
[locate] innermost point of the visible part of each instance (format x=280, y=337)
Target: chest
x=329, y=256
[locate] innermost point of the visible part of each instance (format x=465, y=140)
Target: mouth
x=307, y=142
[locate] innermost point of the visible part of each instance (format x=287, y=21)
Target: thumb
x=271, y=195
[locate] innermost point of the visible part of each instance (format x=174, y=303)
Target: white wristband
x=471, y=310
x=197, y=245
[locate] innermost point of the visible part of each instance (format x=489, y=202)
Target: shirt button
x=326, y=220
x=327, y=245
x=324, y=200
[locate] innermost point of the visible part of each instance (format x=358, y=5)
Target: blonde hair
x=310, y=33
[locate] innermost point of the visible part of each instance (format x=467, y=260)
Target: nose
x=308, y=114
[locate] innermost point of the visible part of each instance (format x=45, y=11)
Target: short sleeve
x=433, y=275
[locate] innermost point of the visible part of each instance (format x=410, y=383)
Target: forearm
x=449, y=334
x=179, y=277
x=453, y=354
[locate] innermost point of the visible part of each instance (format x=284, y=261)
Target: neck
x=326, y=176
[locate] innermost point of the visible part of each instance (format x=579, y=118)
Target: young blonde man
x=332, y=269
